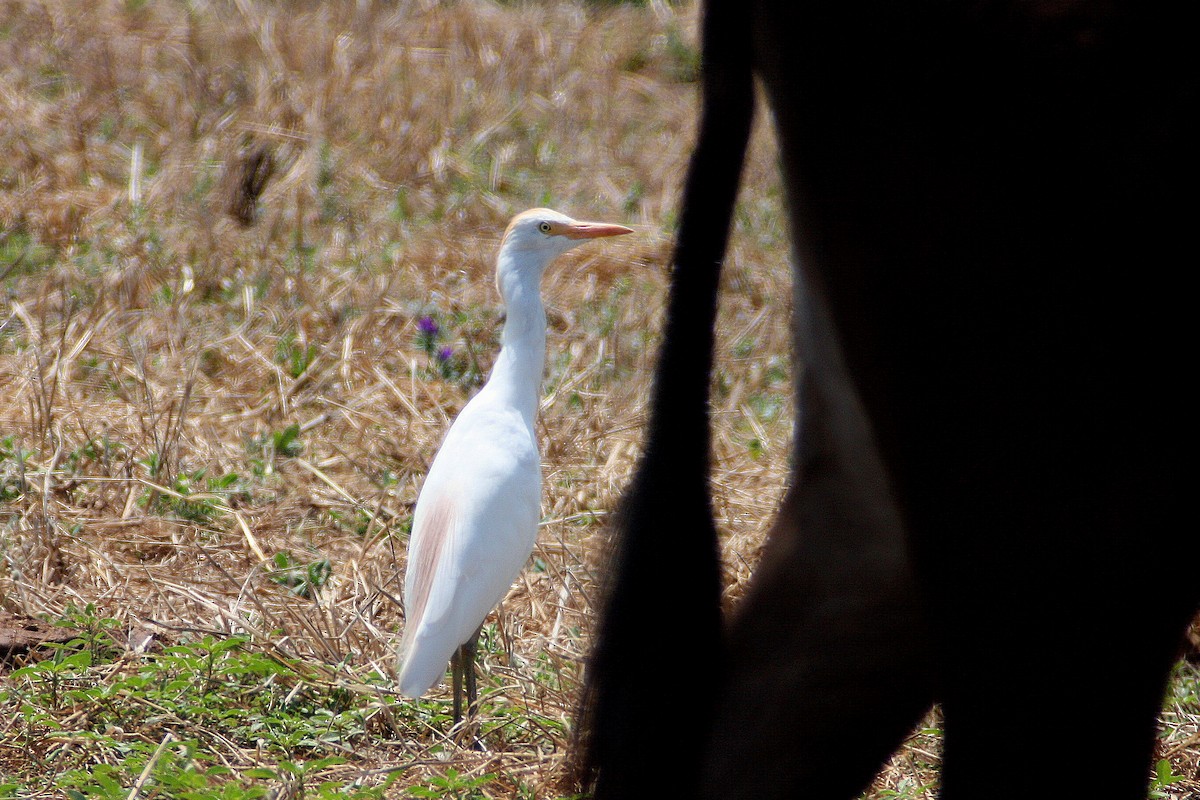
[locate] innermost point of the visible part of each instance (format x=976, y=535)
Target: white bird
x=477, y=514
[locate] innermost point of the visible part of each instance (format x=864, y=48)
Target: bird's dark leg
x=456, y=672
x=467, y=659
x=462, y=668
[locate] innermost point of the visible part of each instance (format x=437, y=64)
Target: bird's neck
x=517, y=375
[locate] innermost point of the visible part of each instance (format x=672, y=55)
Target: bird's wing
x=489, y=531
x=424, y=557
x=422, y=662
x=474, y=527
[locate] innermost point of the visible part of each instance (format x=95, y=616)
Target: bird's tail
x=418, y=670
x=663, y=589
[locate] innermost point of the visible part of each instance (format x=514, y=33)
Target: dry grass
x=152, y=342
x=222, y=219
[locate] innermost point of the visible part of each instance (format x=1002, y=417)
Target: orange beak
x=593, y=230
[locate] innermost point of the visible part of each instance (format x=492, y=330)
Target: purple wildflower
x=444, y=354
x=427, y=334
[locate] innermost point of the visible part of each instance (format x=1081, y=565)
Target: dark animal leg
x=987, y=478
x=666, y=517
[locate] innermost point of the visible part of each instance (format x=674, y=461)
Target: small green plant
x=21, y=254
x=331, y=209
x=684, y=58
x=287, y=442
x=92, y=451
x=301, y=779
x=401, y=209
x=606, y=313
x=1163, y=777
x=453, y=786
x=54, y=677
x=186, y=500
x=284, y=443
x=96, y=633
x=357, y=521
x=175, y=771
x=303, y=580
x=632, y=204
x=13, y=459
x=906, y=789
x=296, y=357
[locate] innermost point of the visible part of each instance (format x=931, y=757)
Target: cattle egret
x=477, y=513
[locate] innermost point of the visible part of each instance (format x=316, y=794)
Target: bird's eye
x=544, y=227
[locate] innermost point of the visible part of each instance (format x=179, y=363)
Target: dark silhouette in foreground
x=992, y=204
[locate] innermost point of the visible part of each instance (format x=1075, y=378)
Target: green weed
x=265, y=449
x=453, y=786
x=294, y=355
x=94, y=720
x=193, y=497
x=303, y=580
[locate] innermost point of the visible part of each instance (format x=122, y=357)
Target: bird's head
x=536, y=237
